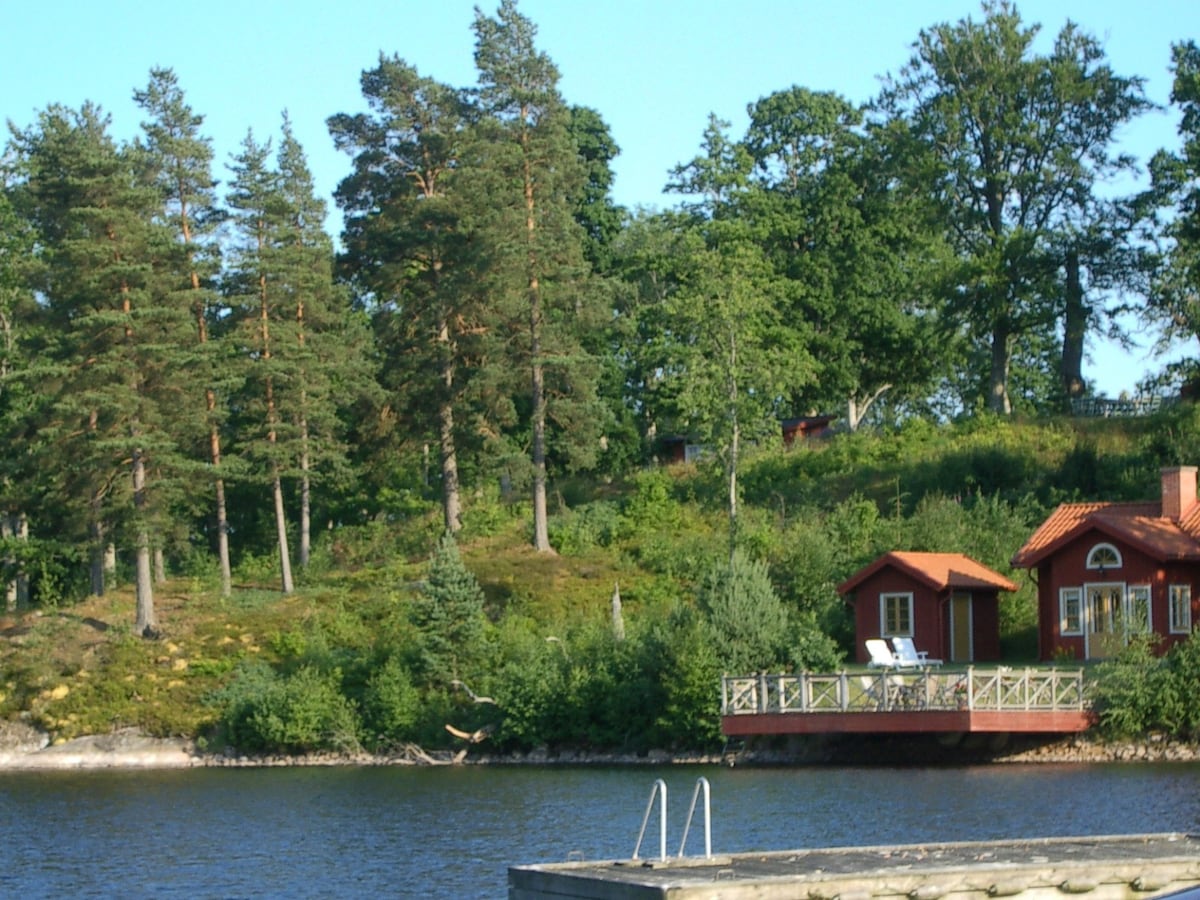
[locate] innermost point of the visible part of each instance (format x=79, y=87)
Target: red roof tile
x=1139, y=524
x=938, y=570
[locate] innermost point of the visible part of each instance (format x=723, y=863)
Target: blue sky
x=654, y=69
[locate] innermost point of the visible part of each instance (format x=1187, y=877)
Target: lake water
x=453, y=831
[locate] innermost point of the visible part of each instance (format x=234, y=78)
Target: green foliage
x=1183, y=712
x=690, y=716
x=532, y=687
x=448, y=615
x=652, y=508
x=1131, y=690
x=488, y=515
x=586, y=527
x=747, y=622
x=391, y=705
x=262, y=711
x=1140, y=693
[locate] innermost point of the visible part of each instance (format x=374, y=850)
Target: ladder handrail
x=660, y=788
x=701, y=782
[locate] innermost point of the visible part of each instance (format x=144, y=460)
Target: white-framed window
x=1179, y=606
x=1104, y=556
x=1137, y=609
x=1070, y=610
x=896, y=615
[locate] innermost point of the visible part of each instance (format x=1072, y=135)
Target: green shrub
x=652, y=509
x=585, y=528
x=391, y=705
x=689, y=717
x=1133, y=690
x=747, y=622
x=304, y=712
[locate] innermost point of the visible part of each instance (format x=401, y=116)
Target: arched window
x=1104, y=556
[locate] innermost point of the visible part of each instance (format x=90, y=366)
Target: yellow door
x=961, y=647
x=1103, y=627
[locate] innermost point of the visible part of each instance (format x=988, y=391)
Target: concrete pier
x=1126, y=867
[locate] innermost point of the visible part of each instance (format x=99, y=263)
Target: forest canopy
x=194, y=368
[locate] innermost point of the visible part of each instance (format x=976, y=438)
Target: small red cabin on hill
x=946, y=602
x=1108, y=571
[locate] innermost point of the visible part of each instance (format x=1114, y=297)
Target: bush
x=391, y=705
x=301, y=713
x=747, y=621
x=1133, y=690
x=690, y=714
x=585, y=528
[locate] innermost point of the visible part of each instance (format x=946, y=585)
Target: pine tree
x=526, y=168
x=305, y=348
x=182, y=164
x=111, y=360
x=264, y=317
x=449, y=615
x=409, y=256
x=329, y=356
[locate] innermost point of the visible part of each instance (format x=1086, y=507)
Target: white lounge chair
x=910, y=656
x=881, y=655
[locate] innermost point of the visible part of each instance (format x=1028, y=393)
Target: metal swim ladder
x=660, y=789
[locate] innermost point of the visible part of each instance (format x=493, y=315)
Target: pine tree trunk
x=223, y=540
x=160, y=566
x=97, y=558
x=541, y=528
x=305, y=515
x=110, y=559
x=285, y=561
x=144, y=585
x=22, y=575
x=305, y=495
x=734, y=448
x=10, y=589
x=451, y=501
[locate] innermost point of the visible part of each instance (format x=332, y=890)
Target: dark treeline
x=193, y=376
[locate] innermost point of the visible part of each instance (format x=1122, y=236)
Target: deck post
x=970, y=688
x=764, y=699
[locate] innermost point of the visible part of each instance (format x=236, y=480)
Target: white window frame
x=1065, y=596
x=906, y=597
x=1133, y=621
x=1116, y=554
x=1179, y=608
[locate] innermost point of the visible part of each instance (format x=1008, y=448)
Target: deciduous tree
x=1013, y=145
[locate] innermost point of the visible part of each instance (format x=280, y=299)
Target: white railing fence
x=999, y=688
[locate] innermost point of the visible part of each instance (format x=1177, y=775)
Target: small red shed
x=946, y=602
x=805, y=428
x=1108, y=571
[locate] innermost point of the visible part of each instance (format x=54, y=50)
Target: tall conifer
x=181, y=159
x=529, y=173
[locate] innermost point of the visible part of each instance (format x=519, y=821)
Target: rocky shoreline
x=23, y=747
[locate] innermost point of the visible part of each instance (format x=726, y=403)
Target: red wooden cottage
x=1107, y=571
x=946, y=602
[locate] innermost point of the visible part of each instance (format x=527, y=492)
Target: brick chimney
x=1178, y=491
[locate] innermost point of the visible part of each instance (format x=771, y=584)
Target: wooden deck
x=996, y=700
